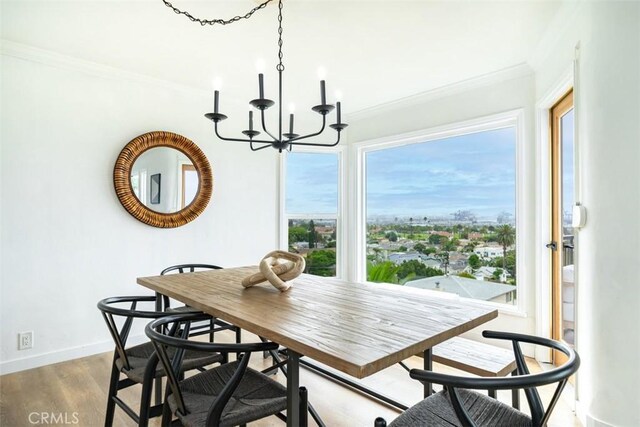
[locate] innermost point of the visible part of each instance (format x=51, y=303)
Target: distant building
x=400, y=257
x=486, y=273
x=325, y=232
x=488, y=252
x=467, y=288
x=475, y=236
x=457, y=261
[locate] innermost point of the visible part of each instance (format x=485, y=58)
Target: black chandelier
x=280, y=141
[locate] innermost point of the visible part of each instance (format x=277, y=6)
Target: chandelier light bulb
x=216, y=83
x=338, y=95
x=260, y=65
x=292, y=108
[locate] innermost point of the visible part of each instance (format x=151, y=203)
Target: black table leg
x=293, y=392
x=158, y=381
x=428, y=366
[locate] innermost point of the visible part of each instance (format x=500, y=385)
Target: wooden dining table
x=356, y=328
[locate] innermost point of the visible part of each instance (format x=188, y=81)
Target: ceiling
x=373, y=51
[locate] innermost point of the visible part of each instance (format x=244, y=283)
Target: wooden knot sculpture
x=277, y=267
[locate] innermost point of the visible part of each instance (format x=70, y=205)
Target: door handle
x=552, y=245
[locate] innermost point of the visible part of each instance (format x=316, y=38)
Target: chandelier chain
x=280, y=66
x=217, y=21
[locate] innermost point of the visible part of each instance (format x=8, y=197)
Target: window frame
x=339, y=216
x=359, y=150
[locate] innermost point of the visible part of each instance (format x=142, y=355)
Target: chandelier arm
x=259, y=148
x=314, y=144
x=264, y=126
x=237, y=139
x=311, y=135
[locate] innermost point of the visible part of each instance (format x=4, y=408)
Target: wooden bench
x=478, y=358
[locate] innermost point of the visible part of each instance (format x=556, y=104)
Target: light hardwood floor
x=80, y=387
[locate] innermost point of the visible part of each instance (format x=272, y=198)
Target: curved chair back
x=524, y=380
x=173, y=331
x=109, y=308
x=189, y=268
x=185, y=268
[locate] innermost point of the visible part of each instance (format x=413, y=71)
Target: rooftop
x=463, y=287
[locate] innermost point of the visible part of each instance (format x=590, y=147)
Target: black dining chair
x=227, y=395
x=459, y=405
x=213, y=325
x=139, y=363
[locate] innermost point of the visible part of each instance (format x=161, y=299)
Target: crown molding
x=510, y=73
x=53, y=59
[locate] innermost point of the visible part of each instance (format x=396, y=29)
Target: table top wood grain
x=356, y=328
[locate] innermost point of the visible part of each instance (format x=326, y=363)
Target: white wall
x=66, y=240
x=608, y=138
x=492, y=94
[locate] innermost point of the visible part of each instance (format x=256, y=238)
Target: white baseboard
x=588, y=420
x=35, y=361
x=594, y=422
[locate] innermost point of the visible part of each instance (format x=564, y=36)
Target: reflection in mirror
x=164, y=179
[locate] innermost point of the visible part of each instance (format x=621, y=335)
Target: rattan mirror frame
x=124, y=191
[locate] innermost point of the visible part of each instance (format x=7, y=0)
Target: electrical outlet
x=25, y=340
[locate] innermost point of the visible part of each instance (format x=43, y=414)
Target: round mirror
x=163, y=179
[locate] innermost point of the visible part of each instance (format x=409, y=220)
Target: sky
x=473, y=172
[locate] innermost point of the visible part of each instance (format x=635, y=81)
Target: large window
x=441, y=214
x=311, y=209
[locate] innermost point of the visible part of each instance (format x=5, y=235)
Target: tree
x=419, y=247
x=449, y=245
x=474, y=262
x=402, y=249
x=297, y=234
x=469, y=247
x=385, y=272
x=411, y=227
x=444, y=259
x=497, y=274
x=392, y=236
x=506, y=236
x=433, y=272
x=466, y=275
x=435, y=239
x=321, y=263
x=414, y=267
x=509, y=262
x=313, y=240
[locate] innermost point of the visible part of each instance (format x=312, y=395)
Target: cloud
x=471, y=172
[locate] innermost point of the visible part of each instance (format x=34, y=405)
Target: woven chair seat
x=257, y=396
x=437, y=411
x=139, y=355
